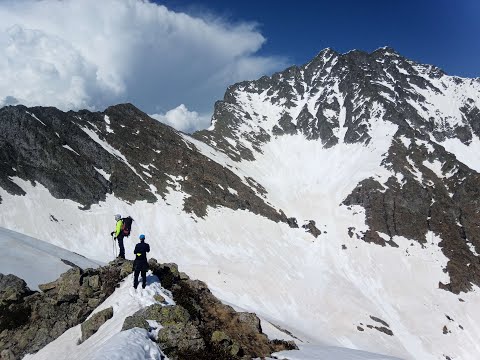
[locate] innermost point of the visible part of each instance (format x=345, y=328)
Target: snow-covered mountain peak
x=334, y=98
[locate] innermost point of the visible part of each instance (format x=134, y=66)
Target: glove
x=111, y=234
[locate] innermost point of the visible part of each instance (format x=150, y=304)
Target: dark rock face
x=200, y=326
x=30, y=320
x=66, y=153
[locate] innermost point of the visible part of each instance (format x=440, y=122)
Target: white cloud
x=184, y=120
x=89, y=53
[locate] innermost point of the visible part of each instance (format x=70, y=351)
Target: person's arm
x=136, y=249
x=148, y=248
x=118, y=229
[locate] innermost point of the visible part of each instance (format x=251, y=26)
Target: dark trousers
x=120, y=245
x=138, y=271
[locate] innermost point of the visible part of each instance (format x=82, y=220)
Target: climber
x=140, y=264
x=119, y=234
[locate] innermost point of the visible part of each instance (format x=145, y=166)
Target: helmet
x=118, y=217
x=141, y=237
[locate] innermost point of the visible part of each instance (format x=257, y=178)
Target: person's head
x=142, y=237
x=118, y=217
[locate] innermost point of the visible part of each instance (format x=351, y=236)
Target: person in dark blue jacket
x=140, y=264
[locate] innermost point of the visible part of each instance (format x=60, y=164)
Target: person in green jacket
x=119, y=235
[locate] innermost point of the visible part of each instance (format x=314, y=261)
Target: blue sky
x=443, y=33
x=174, y=58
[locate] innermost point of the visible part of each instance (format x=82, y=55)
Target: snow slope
x=315, y=289
x=35, y=261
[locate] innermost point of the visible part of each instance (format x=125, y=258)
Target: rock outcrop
x=91, y=325
x=30, y=320
x=200, y=326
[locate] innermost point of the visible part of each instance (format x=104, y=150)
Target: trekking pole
x=113, y=248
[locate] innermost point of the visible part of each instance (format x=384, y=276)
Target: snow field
x=313, y=288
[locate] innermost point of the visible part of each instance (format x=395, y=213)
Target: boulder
x=12, y=288
x=181, y=340
x=167, y=273
x=91, y=326
x=69, y=285
x=159, y=298
x=126, y=268
x=165, y=315
x=135, y=321
x=13, y=310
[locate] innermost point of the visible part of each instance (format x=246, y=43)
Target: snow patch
x=36, y=118
x=69, y=148
x=103, y=173
x=467, y=154
x=107, y=120
x=35, y=261
x=435, y=166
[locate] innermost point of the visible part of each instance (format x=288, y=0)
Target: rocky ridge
x=199, y=325
x=30, y=320
x=84, y=156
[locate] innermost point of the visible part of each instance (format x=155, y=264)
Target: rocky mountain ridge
x=198, y=326
x=83, y=156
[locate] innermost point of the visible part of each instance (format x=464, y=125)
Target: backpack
x=127, y=226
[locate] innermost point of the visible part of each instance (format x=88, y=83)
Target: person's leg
x=144, y=278
x=121, y=247
x=135, y=278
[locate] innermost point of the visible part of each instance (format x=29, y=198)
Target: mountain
x=338, y=199
x=425, y=123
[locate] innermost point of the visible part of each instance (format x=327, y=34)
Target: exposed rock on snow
x=311, y=228
x=91, y=325
x=339, y=99
x=373, y=147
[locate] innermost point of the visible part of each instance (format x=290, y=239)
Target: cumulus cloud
x=182, y=119
x=92, y=54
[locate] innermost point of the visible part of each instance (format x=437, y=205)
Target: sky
x=173, y=59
